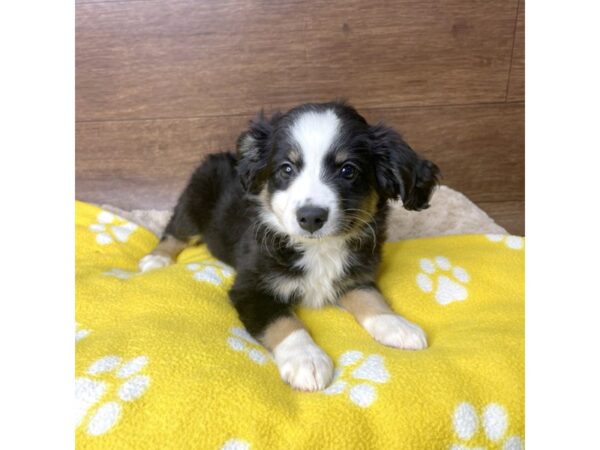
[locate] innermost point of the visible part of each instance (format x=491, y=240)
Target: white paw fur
x=154, y=261
x=396, y=331
x=302, y=364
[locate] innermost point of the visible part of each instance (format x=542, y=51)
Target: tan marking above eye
x=294, y=156
x=171, y=246
x=341, y=157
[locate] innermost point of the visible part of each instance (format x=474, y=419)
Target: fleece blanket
x=162, y=361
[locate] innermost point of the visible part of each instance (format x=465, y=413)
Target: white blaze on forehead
x=313, y=133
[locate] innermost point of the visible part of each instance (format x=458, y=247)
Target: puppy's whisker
x=367, y=225
x=262, y=234
x=362, y=215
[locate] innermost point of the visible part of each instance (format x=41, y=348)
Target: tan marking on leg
x=364, y=303
x=278, y=330
x=170, y=247
x=371, y=310
x=163, y=255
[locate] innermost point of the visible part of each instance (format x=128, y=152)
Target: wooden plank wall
x=161, y=84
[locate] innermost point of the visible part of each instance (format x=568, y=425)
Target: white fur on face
x=314, y=133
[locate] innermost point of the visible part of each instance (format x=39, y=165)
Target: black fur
x=400, y=172
x=226, y=195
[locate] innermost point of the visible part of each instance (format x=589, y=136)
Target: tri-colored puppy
x=300, y=213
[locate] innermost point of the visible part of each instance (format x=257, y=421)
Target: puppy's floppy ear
x=400, y=171
x=253, y=149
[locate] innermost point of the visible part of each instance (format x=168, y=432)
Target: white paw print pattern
x=235, y=444
x=448, y=286
x=80, y=333
x=214, y=272
x=110, y=228
x=120, y=273
x=130, y=385
x=371, y=370
x=241, y=341
x=513, y=242
x=494, y=421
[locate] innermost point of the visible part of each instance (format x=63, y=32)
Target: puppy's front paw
x=396, y=331
x=154, y=261
x=302, y=363
x=306, y=369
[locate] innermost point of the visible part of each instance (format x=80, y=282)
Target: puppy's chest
x=323, y=266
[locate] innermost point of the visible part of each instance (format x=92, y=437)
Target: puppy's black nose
x=312, y=218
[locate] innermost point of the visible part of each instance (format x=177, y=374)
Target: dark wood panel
x=510, y=215
x=480, y=149
x=145, y=163
x=160, y=59
x=516, y=83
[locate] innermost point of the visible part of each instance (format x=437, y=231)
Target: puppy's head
x=321, y=170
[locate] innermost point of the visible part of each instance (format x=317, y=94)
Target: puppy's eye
x=286, y=170
x=348, y=171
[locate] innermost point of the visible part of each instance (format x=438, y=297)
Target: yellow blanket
x=162, y=362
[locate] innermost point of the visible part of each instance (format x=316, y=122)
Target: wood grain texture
x=516, y=82
x=156, y=59
x=510, y=215
x=146, y=163
x=478, y=148
x=161, y=84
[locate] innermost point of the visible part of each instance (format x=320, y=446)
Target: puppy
x=300, y=213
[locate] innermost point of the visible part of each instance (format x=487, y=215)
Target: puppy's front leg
x=301, y=363
x=370, y=309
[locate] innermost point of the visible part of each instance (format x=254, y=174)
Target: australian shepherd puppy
x=300, y=213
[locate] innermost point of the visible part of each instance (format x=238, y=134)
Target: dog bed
x=162, y=362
